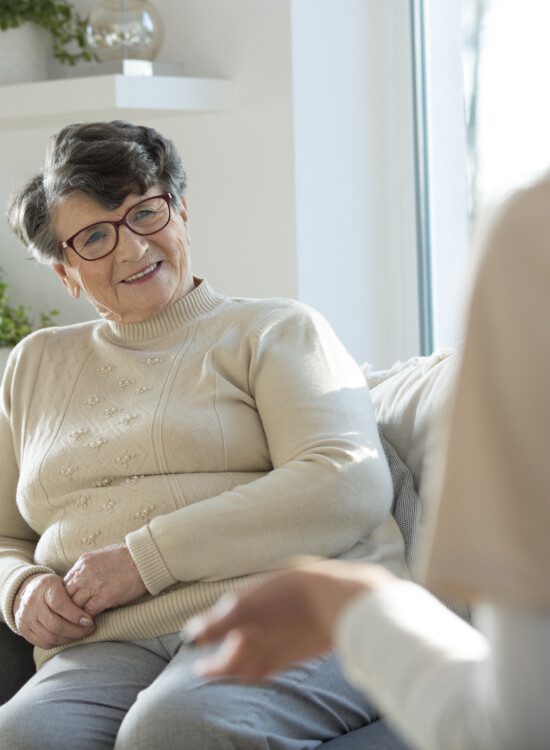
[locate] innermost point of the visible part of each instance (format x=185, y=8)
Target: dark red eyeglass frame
x=69, y=243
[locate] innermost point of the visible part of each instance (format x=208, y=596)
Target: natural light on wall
x=508, y=108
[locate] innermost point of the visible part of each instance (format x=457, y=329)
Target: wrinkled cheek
x=101, y=301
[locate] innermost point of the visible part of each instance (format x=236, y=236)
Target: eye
x=96, y=236
x=143, y=214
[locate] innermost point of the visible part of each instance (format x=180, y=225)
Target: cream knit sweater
x=216, y=438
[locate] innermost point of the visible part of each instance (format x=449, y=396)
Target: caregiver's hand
x=45, y=615
x=289, y=616
x=103, y=579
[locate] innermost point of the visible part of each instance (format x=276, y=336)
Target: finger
x=60, y=602
x=61, y=627
x=25, y=632
x=76, y=578
x=240, y=656
x=81, y=597
x=216, y=623
x=32, y=637
x=43, y=638
x=72, y=585
x=224, y=662
x=94, y=606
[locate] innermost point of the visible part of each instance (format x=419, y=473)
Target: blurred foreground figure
x=442, y=683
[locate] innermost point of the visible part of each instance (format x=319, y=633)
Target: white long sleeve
x=439, y=682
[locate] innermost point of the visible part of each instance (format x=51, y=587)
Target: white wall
x=303, y=189
x=240, y=164
x=355, y=172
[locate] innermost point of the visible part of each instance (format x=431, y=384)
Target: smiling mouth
x=142, y=274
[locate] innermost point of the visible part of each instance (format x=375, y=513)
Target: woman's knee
x=192, y=720
x=33, y=719
x=23, y=728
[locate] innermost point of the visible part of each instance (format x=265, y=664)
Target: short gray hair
x=104, y=160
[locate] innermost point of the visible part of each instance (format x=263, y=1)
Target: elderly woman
x=156, y=458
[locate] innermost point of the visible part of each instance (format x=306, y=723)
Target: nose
x=130, y=246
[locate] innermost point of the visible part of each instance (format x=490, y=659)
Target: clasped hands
x=52, y=611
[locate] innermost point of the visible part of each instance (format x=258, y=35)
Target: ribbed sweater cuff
x=12, y=586
x=149, y=562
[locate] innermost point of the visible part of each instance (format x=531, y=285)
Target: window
x=440, y=118
x=506, y=63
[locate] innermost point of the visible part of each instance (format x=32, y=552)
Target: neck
x=199, y=301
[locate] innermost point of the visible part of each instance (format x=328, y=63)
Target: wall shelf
x=57, y=102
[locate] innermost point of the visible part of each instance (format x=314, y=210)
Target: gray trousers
x=144, y=695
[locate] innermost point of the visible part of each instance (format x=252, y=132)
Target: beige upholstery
x=408, y=400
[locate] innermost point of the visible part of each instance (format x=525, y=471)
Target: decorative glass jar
x=124, y=29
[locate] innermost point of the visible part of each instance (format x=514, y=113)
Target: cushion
x=408, y=400
x=406, y=505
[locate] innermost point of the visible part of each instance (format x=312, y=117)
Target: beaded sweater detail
x=214, y=439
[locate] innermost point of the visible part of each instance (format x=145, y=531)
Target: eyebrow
x=100, y=221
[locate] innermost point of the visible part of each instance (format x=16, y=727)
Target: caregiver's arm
x=436, y=677
x=330, y=486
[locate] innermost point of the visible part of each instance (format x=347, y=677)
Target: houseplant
x=56, y=17
x=15, y=323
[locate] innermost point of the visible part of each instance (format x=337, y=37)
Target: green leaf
x=59, y=17
x=15, y=322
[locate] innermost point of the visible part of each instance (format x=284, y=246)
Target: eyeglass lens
x=146, y=217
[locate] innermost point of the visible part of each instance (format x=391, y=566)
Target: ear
x=183, y=209
x=69, y=283
x=185, y=216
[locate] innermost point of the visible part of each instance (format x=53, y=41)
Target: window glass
x=506, y=67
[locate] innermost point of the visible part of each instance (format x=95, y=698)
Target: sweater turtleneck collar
x=179, y=314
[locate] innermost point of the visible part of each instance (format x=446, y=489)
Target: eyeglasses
x=100, y=239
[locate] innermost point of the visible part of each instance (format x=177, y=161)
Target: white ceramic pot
x=24, y=54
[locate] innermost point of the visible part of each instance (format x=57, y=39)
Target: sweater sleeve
x=437, y=679
x=330, y=486
x=17, y=539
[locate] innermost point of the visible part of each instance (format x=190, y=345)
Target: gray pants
x=144, y=695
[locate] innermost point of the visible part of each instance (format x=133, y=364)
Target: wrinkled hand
x=46, y=616
x=103, y=579
x=287, y=617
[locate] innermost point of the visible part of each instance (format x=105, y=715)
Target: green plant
x=58, y=17
x=15, y=323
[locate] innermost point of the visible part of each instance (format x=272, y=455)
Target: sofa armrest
x=16, y=660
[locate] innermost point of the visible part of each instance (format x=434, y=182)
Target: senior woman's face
x=110, y=283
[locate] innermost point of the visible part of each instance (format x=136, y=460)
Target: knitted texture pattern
x=216, y=438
